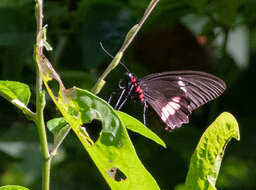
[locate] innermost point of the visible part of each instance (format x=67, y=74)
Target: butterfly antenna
x=113, y=57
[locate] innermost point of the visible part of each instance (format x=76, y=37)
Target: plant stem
x=100, y=83
x=129, y=38
x=149, y=9
x=40, y=102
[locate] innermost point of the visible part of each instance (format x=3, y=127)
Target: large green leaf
x=113, y=152
x=206, y=160
x=13, y=187
x=136, y=126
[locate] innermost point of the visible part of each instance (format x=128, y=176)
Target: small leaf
x=13, y=187
x=131, y=33
x=15, y=91
x=136, y=126
x=206, y=160
x=56, y=124
x=60, y=129
x=47, y=46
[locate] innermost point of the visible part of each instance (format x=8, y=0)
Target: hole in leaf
x=93, y=129
x=116, y=174
x=73, y=111
x=54, y=86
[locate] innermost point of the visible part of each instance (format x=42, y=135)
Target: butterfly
x=173, y=95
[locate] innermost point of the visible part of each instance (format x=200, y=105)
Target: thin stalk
x=148, y=11
x=40, y=102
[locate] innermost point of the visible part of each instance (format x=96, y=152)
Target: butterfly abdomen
x=138, y=92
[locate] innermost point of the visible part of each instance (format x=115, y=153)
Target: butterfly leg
x=119, y=99
x=122, y=103
x=111, y=96
x=128, y=94
x=144, y=113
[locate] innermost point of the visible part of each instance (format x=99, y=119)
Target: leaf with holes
x=13, y=187
x=206, y=160
x=113, y=152
x=136, y=126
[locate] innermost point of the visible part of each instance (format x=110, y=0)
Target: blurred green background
x=215, y=36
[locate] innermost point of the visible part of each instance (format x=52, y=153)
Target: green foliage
x=206, y=160
x=13, y=187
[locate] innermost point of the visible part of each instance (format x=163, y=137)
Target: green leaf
x=13, y=187
x=113, y=152
x=18, y=94
x=131, y=33
x=136, y=126
x=60, y=129
x=206, y=160
x=47, y=46
x=56, y=124
x=12, y=91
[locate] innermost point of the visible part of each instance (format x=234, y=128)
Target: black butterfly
x=173, y=95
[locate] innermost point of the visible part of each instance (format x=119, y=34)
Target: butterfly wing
x=174, y=95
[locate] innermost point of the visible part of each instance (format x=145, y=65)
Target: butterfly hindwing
x=173, y=112
x=174, y=95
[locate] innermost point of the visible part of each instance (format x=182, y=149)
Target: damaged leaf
x=113, y=149
x=206, y=160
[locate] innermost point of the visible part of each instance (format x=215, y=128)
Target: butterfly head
x=130, y=79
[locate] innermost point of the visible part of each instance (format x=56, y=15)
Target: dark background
x=208, y=35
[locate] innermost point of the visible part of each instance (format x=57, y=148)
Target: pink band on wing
x=174, y=105
x=176, y=99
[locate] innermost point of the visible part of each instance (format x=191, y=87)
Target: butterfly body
x=173, y=95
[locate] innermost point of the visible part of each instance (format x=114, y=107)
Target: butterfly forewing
x=174, y=95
